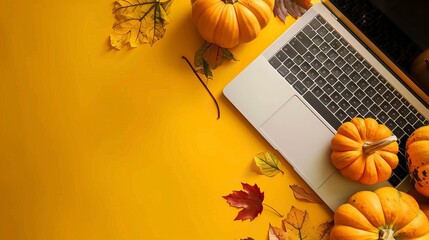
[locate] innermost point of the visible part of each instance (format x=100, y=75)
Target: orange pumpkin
x=385, y=214
x=417, y=151
x=229, y=22
x=364, y=150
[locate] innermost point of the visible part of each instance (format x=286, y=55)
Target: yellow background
x=104, y=144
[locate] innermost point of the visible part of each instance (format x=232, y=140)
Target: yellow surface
x=104, y=144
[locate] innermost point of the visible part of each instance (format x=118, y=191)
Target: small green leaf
x=268, y=163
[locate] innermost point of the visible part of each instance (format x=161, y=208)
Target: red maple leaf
x=250, y=199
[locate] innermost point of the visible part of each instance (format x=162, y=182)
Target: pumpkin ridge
x=248, y=24
x=209, y=15
x=228, y=17
x=260, y=9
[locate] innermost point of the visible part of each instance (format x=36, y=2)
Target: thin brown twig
x=205, y=86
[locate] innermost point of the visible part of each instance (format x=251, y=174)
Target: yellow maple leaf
x=139, y=21
x=298, y=222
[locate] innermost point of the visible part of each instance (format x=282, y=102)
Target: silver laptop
x=318, y=74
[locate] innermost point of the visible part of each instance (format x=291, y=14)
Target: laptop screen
x=400, y=29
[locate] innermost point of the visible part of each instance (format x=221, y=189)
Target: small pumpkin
x=364, y=151
x=417, y=151
x=228, y=23
x=385, y=213
x=420, y=70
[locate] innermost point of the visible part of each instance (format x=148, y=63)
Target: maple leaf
x=295, y=8
x=139, y=21
x=268, y=163
x=298, y=221
x=302, y=195
x=210, y=56
x=250, y=199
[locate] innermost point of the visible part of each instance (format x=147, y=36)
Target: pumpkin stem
x=386, y=234
x=371, y=147
x=230, y=1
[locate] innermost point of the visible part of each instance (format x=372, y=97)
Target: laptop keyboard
x=340, y=84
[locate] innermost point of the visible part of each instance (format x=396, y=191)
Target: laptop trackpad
x=302, y=139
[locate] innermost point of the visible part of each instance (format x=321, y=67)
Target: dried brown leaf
x=275, y=233
x=302, y=195
x=295, y=8
x=298, y=222
x=139, y=21
x=210, y=56
x=324, y=229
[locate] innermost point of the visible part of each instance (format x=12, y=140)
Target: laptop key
x=304, y=39
x=325, y=47
x=309, y=31
x=325, y=99
x=299, y=87
x=317, y=91
x=347, y=94
x=321, y=19
x=328, y=89
x=340, y=62
x=333, y=107
x=321, y=56
x=362, y=110
x=314, y=49
x=344, y=104
x=281, y=56
x=298, y=60
x=289, y=63
x=308, y=82
x=275, y=62
x=291, y=79
x=322, y=31
x=336, y=97
x=358, y=66
x=377, y=98
x=343, y=51
x=316, y=64
x=289, y=51
x=283, y=70
x=352, y=113
x=382, y=116
x=354, y=102
x=318, y=40
x=335, y=44
x=329, y=64
x=315, y=24
x=295, y=69
x=308, y=57
x=297, y=46
x=305, y=66
x=322, y=110
x=329, y=37
x=341, y=115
